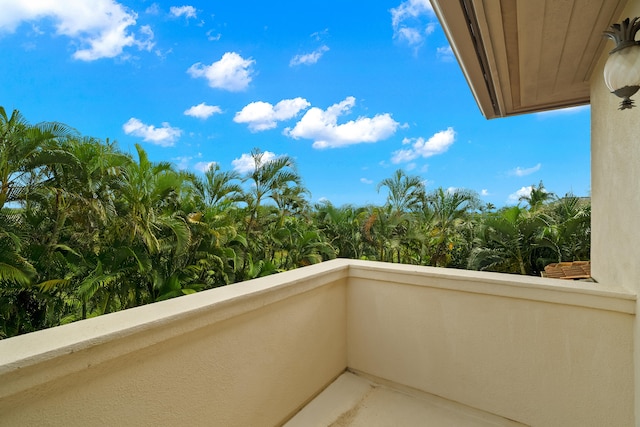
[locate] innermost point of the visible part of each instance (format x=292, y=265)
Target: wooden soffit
x=523, y=56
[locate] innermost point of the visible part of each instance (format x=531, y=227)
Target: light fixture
x=622, y=70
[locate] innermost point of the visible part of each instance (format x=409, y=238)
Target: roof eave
x=459, y=23
x=520, y=57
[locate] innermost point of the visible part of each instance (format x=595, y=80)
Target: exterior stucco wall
x=538, y=351
x=615, y=188
x=239, y=360
x=539, y=360
x=615, y=182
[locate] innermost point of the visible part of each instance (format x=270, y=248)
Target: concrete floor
x=352, y=400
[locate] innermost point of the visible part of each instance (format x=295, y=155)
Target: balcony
x=338, y=343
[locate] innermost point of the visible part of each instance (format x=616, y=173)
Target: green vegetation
x=86, y=229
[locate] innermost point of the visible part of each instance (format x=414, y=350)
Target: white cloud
x=186, y=11
x=410, y=9
x=366, y=181
x=154, y=9
x=164, y=136
x=213, y=37
x=319, y=35
x=309, y=58
x=262, y=115
x=412, y=36
x=203, y=166
x=525, y=171
x=484, y=192
x=182, y=162
x=445, y=54
x=408, y=23
x=100, y=28
x=203, y=111
x=246, y=163
x=523, y=192
x=322, y=126
x=437, y=144
x=232, y=72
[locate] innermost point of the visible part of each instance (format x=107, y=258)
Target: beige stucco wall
x=247, y=355
x=615, y=188
x=615, y=182
x=543, y=359
x=538, y=351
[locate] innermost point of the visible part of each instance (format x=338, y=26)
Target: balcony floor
x=352, y=400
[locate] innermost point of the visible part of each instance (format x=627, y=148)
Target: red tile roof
x=568, y=270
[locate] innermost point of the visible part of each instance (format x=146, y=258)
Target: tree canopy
x=86, y=229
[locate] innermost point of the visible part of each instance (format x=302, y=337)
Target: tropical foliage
x=86, y=229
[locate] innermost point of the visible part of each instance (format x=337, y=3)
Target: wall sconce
x=622, y=70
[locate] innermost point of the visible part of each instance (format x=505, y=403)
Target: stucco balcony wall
x=244, y=355
x=543, y=352
x=537, y=351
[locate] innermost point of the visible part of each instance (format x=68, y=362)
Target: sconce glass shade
x=622, y=74
x=622, y=70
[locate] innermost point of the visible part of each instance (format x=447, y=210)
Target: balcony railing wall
x=543, y=352
x=250, y=354
x=538, y=351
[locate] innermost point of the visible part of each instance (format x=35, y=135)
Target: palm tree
x=14, y=267
x=218, y=246
x=508, y=242
x=342, y=228
x=297, y=243
x=291, y=200
x=147, y=237
x=220, y=187
x=569, y=234
x=406, y=192
x=65, y=211
x=23, y=148
x=385, y=229
x=537, y=197
x=268, y=177
x=21, y=310
x=21, y=307
x=449, y=211
x=150, y=197
x=308, y=248
x=70, y=215
x=86, y=229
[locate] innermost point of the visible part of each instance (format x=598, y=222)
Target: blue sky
x=351, y=89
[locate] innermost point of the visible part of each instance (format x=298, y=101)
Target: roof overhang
x=527, y=56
